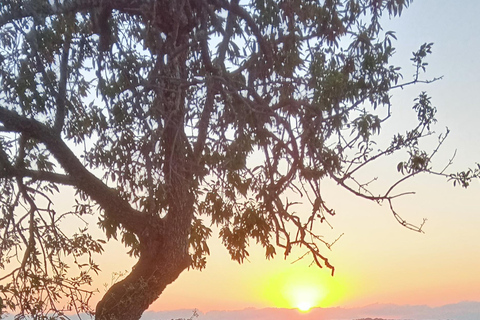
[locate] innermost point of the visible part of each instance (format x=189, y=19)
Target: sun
x=305, y=296
x=302, y=289
x=304, y=306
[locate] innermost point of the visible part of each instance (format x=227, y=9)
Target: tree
x=168, y=117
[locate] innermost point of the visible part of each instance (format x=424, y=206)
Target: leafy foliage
x=169, y=117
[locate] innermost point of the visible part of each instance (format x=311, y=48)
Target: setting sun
x=302, y=288
x=304, y=296
x=304, y=306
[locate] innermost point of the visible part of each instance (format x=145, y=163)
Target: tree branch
x=62, y=87
x=31, y=8
x=109, y=199
x=204, y=121
x=235, y=8
x=39, y=175
x=223, y=46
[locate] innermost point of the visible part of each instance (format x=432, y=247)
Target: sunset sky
x=376, y=260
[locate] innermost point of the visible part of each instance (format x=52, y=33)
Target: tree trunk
x=161, y=262
x=164, y=243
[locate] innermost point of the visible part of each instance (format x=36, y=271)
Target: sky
x=376, y=260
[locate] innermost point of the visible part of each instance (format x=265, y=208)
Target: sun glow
x=302, y=288
x=304, y=296
x=304, y=306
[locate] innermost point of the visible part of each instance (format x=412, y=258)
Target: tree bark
x=161, y=262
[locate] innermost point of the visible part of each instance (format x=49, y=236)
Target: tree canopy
x=170, y=117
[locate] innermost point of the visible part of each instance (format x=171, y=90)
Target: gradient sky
x=377, y=260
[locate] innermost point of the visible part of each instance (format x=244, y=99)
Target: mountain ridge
x=464, y=310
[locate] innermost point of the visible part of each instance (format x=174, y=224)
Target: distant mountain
x=468, y=310
x=372, y=319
